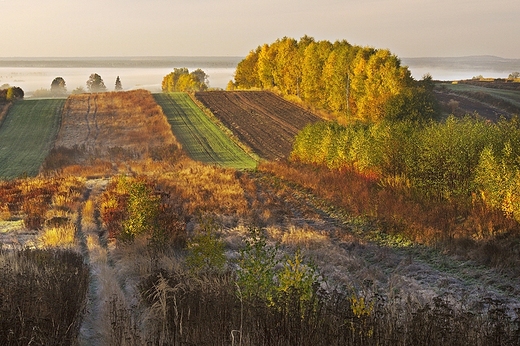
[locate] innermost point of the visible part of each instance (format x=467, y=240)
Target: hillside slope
x=26, y=136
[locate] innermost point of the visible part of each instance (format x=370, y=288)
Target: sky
x=409, y=28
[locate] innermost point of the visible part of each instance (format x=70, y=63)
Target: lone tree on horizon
x=118, y=87
x=58, y=86
x=95, y=83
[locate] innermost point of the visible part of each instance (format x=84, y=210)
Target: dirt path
x=104, y=291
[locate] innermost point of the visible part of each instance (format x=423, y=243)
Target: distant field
x=491, y=100
x=113, y=126
x=260, y=119
x=511, y=96
x=201, y=139
x=27, y=135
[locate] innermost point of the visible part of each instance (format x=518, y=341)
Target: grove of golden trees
x=349, y=81
x=181, y=79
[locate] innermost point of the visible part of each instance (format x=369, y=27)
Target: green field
x=200, y=137
x=26, y=136
x=511, y=96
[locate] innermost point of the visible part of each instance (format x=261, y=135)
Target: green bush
x=445, y=156
x=206, y=251
x=439, y=159
x=260, y=279
x=142, y=209
x=256, y=275
x=134, y=206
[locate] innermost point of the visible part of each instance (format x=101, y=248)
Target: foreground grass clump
x=264, y=297
x=42, y=294
x=62, y=236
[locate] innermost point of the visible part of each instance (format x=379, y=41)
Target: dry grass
x=469, y=231
x=136, y=289
x=59, y=237
x=113, y=127
x=126, y=277
x=304, y=238
x=5, y=213
x=43, y=295
x=205, y=189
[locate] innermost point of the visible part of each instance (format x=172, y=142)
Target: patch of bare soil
x=262, y=120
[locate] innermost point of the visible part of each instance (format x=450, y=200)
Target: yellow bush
x=59, y=236
x=5, y=214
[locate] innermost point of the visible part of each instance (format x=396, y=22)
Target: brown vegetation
x=472, y=231
x=112, y=127
x=43, y=296
x=375, y=286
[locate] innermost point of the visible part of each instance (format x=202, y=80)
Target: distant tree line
x=94, y=84
x=181, y=79
x=350, y=81
x=10, y=93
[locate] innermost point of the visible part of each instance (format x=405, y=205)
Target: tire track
x=94, y=116
x=87, y=122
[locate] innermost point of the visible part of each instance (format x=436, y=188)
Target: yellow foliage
x=360, y=307
x=61, y=200
x=59, y=236
x=5, y=214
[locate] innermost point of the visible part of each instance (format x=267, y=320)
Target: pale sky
x=409, y=28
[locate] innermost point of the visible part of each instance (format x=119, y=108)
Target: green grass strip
x=511, y=96
x=27, y=135
x=201, y=139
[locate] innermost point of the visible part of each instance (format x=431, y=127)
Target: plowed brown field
x=262, y=120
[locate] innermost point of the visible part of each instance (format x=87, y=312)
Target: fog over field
x=135, y=72
x=458, y=68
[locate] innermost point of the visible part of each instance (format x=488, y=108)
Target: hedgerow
x=456, y=158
